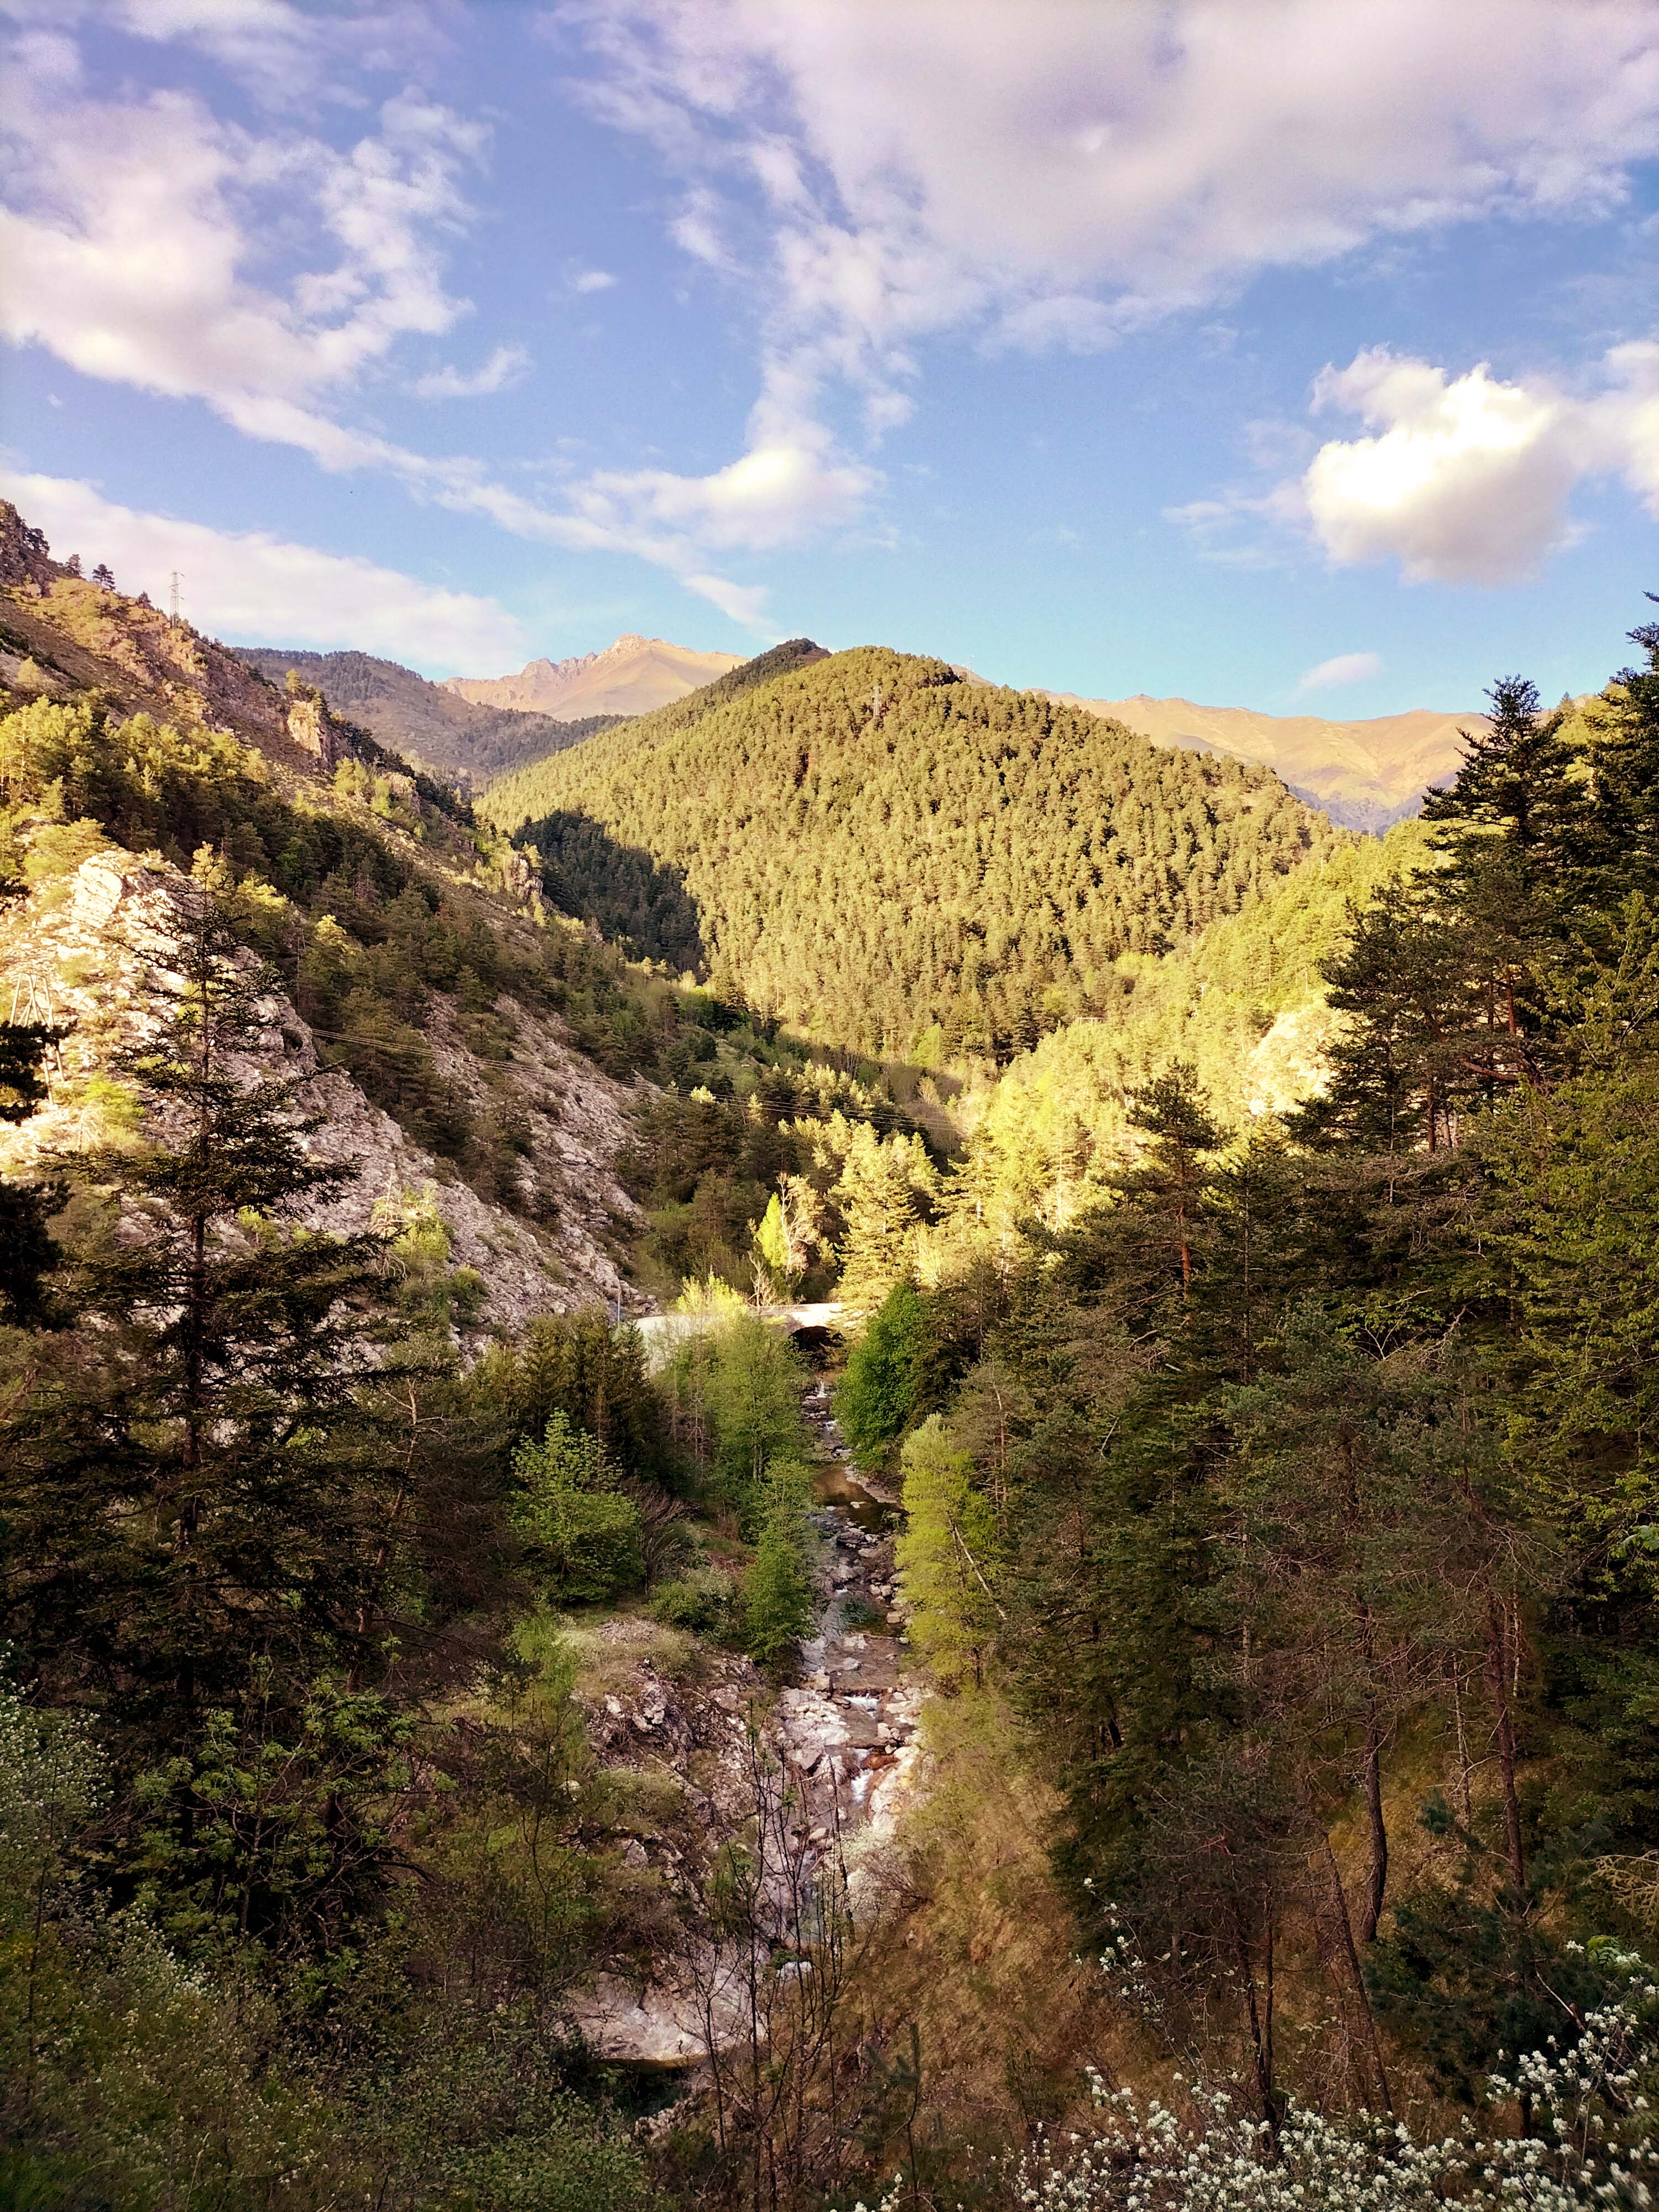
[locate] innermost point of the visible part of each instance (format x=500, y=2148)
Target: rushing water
x=848, y=1729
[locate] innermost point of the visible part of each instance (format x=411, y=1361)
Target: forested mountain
x=428, y=722
x=630, y=676
x=883, y=854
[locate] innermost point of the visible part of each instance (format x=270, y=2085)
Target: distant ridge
x=1364, y=774
x=419, y=718
x=632, y=676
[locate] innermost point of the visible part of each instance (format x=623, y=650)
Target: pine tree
x=582, y=1536
x=877, y=1397
x=753, y=1393
x=777, y=1589
x=948, y=1557
x=27, y=1252
x=1168, y=1181
x=191, y=1471
x=1625, y=768
x=1398, y=1071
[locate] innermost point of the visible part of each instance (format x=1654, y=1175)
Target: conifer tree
x=582, y=1537
x=777, y=1589
x=27, y=1252
x=877, y=1394
x=948, y=1557
x=188, y=1471
x=1168, y=1179
x=1625, y=767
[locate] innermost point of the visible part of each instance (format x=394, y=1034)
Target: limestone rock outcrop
x=99, y=953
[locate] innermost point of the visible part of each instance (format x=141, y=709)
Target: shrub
x=581, y=1537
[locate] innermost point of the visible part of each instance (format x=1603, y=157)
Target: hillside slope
x=423, y=721
x=60, y=634
x=1364, y=774
x=1246, y=1005
x=887, y=856
x=99, y=952
x=471, y=1057
x=631, y=675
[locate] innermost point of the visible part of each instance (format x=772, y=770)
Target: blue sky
x=1112, y=347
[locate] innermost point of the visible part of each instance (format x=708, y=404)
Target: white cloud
x=1341, y=668
x=508, y=366
x=281, y=52
x=1462, y=479
x=132, y=247
x=134, y=231
x=1058, y=174
x=592, y=280
x=257, y=589
x=1464, y=482
x=1468, y=480
x=776, y=493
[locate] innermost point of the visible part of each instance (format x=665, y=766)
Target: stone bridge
x=663, y=1332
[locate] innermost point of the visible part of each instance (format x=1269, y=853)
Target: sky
x=1270, y=353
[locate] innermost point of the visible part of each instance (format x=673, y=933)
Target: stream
x=849, y=1730
x=845, y=1735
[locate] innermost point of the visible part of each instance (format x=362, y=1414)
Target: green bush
x=706, y=1601
x=581, y=1537
x=876, y=1400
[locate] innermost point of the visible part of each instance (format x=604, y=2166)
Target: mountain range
x=1365, y=775
x=632, y=676
x=420, y=719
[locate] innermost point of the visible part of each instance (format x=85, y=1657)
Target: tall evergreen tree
x=191, y=1471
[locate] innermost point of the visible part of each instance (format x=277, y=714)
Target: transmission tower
x=173, y=613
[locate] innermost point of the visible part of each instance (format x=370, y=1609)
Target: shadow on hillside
x=632, y=898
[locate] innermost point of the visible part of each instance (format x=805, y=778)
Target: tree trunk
x=1498, y=1677
x=1376, y=1887
x=1358, y=1972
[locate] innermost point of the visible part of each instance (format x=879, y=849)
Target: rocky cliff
x=98, y=952
x=63, y=633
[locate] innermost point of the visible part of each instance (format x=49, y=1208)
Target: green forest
x=1239, y=1243
x=886, y=856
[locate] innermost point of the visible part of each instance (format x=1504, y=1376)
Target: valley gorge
x=828, y=1436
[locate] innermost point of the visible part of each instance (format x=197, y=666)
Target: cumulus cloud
x=774, y=495
x=132, y=239
x=133, y=228
x=260, y=590
x=1463, y=479
x=1468, y=479
x=1057, y=177
x=1341, y=668
x=508, y=366
x=1049, y=176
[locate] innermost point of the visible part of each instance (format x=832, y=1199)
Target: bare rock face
x=315, y=730
x=101, y=953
